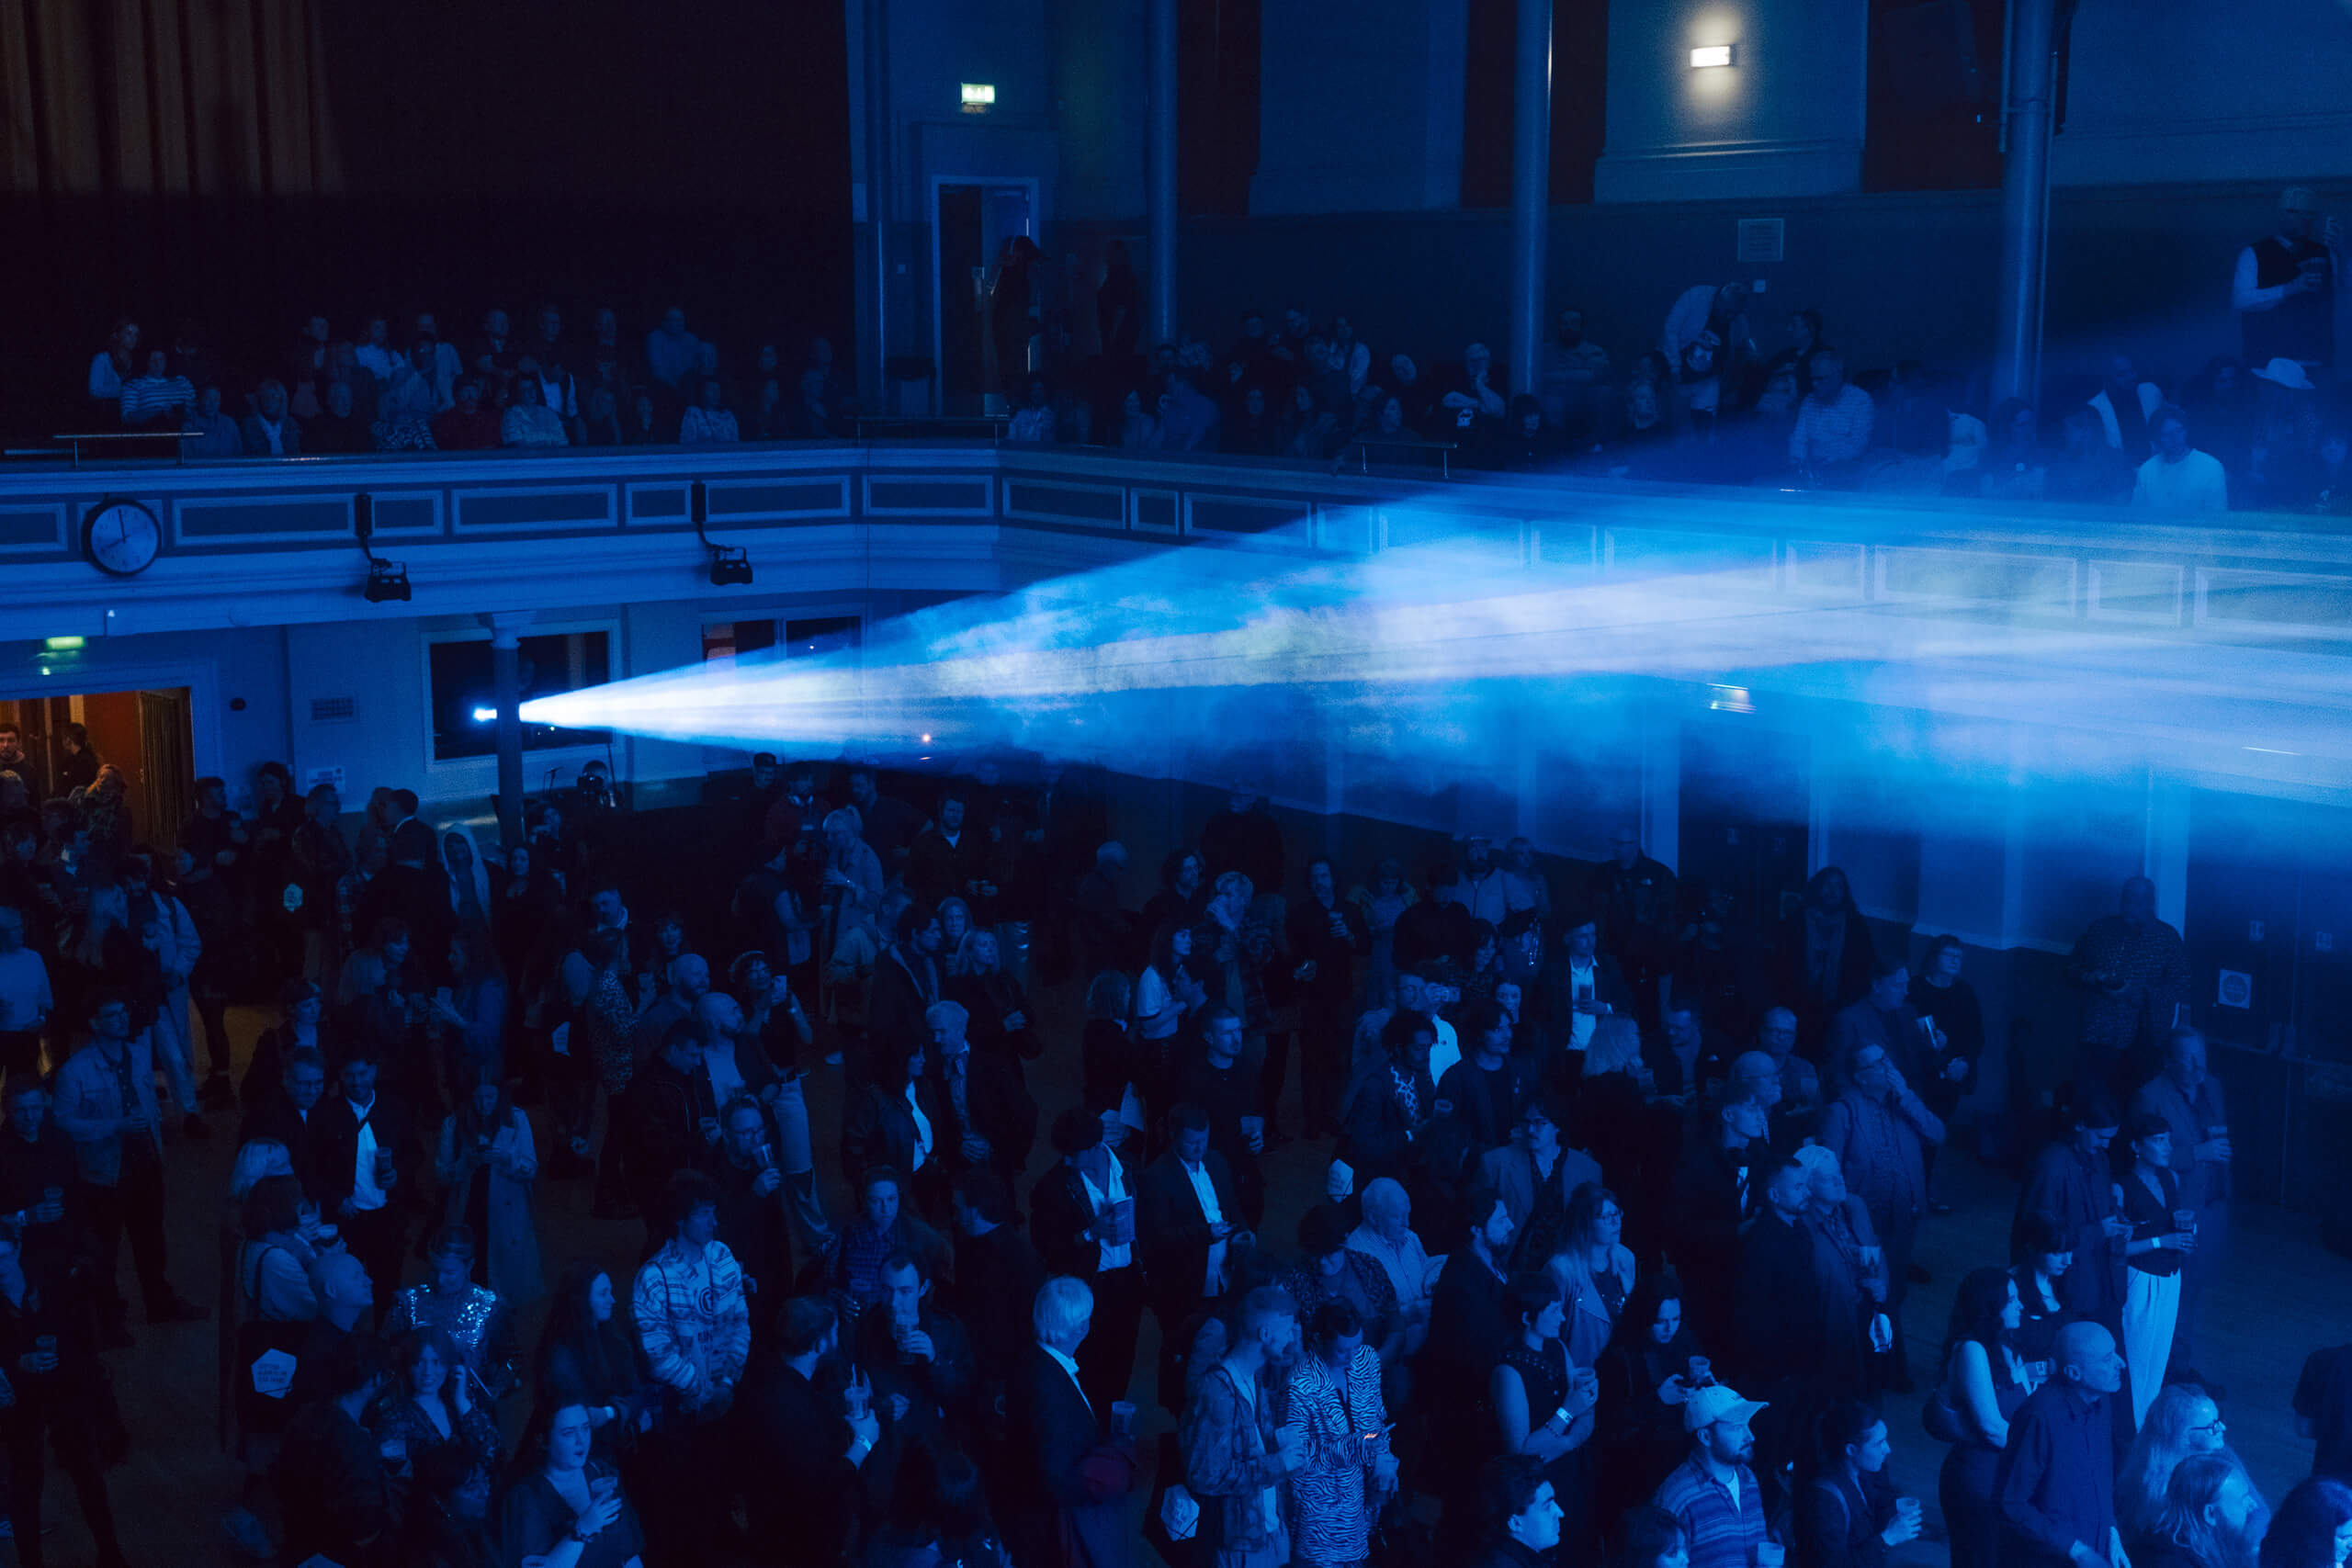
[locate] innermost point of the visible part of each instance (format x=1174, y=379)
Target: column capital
x=507, y=626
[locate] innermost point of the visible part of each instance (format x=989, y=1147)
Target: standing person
x=1060, y=1507
x=1847, y=1514
x=568, y=1510
x=1880, y=1133
x=2056, y=1483
x=1187, y=1220
x=2189, y=1099
x=1984, y=1382
x=488, y=1170
x=1542, y=1401
x=2162, y=1235
x=1082, y=1217
x=2183, y=1422
x=1235, y=1454
x=1520, y=1515
x=694, y=1330
x=479, y=1326
x=2070, y=1183
x=2284, y=285
x=1348, y=1469
x=1713, y=1495
x=1648, y=1371
x=1826, y=953
x=2211, y=1518
x=363, y=1142
x=804, y=1439
x=106, y=1102
x=52, y=1369
x=1945, y=1006
x=331, y=1476
x=1470, y=1330
x=2313, y=1528
x=26, y=999
x=2136, y=972
x=1325, y=936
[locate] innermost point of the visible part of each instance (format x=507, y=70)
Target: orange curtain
x=196, y=97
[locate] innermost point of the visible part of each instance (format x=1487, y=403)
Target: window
x=465, y=713
x=828, y=634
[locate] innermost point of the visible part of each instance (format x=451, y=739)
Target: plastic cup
x=603, y=1488
x=1699, y=1371
x=1122, y=1417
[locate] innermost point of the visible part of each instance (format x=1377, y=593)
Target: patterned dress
x=1333, y=1499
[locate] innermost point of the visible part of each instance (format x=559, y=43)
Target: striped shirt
x=144, y=397
x=1721, y=1531
x=1837, y=431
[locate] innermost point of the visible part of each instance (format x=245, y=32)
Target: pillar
x=1159, y=179
x=507, y=693
x=2025, y=201
x=1531, y=190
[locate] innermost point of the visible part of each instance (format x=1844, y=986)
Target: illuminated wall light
x=60, y=644
x=978, y=96
x=1730, y=699
x=485, y=716
x=1710, y=54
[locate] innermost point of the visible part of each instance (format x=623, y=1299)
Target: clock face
x=121, y=538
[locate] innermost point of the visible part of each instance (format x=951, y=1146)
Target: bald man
x=2055, y=1488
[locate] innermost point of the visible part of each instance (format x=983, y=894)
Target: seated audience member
x=1308, y=430
x=218, y=436
x=1833, y=428
x=405, y=408
x=1188, y=419
x=2086, y=470
x=338, y=430
x=1529, y=444
x=2126, y=407
x=469, y=424
x=2178, y=479
x=1575, y=378
x=374, y=352
x=114, y=365
x=709, y=423
x=1033, y=422
x=600, y=424
x=269, y=431
x=1138, y=423
x=528, y=421
x=1472, y=407
x=155, y=398
x=807, y=416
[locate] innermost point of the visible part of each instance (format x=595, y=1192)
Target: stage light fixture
x=387, y=580
x=1709, y=55
x=730, y=565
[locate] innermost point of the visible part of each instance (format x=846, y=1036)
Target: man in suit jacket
x=288, y=1111
x=363, y=1142
x=1185, y=1221
x=1327, y=935
x=990, y=1117
x=1778, y=1309
x=1060, y=1486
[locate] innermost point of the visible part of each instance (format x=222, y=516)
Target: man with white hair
x=1051, y=1493
x=1386, y=1236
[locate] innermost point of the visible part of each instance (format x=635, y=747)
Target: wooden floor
x=2282, y=1296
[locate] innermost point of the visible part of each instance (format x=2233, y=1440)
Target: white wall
x=1785, y=118
x=1360, y=106
x=2181, y=90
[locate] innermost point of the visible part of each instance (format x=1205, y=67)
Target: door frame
x=938, y=294
x=200, y=676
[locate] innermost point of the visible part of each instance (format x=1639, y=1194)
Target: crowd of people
x=1706, y=401
x=1610, y=1263
x=404, y=385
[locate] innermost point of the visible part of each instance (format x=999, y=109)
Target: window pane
x=465, y=713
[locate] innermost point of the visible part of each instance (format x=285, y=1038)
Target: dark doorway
x=974, y=222
x=149, y=735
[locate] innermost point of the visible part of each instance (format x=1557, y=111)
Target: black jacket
x=334, y=1147
x=1779, y=1310
x=1171, y=1235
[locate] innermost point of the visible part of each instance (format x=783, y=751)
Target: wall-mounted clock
x=121, y=538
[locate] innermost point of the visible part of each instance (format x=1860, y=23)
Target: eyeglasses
x=2216, y=1425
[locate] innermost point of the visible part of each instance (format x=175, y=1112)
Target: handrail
x=994, y=426
x=77, y=437
x=1362, y=445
